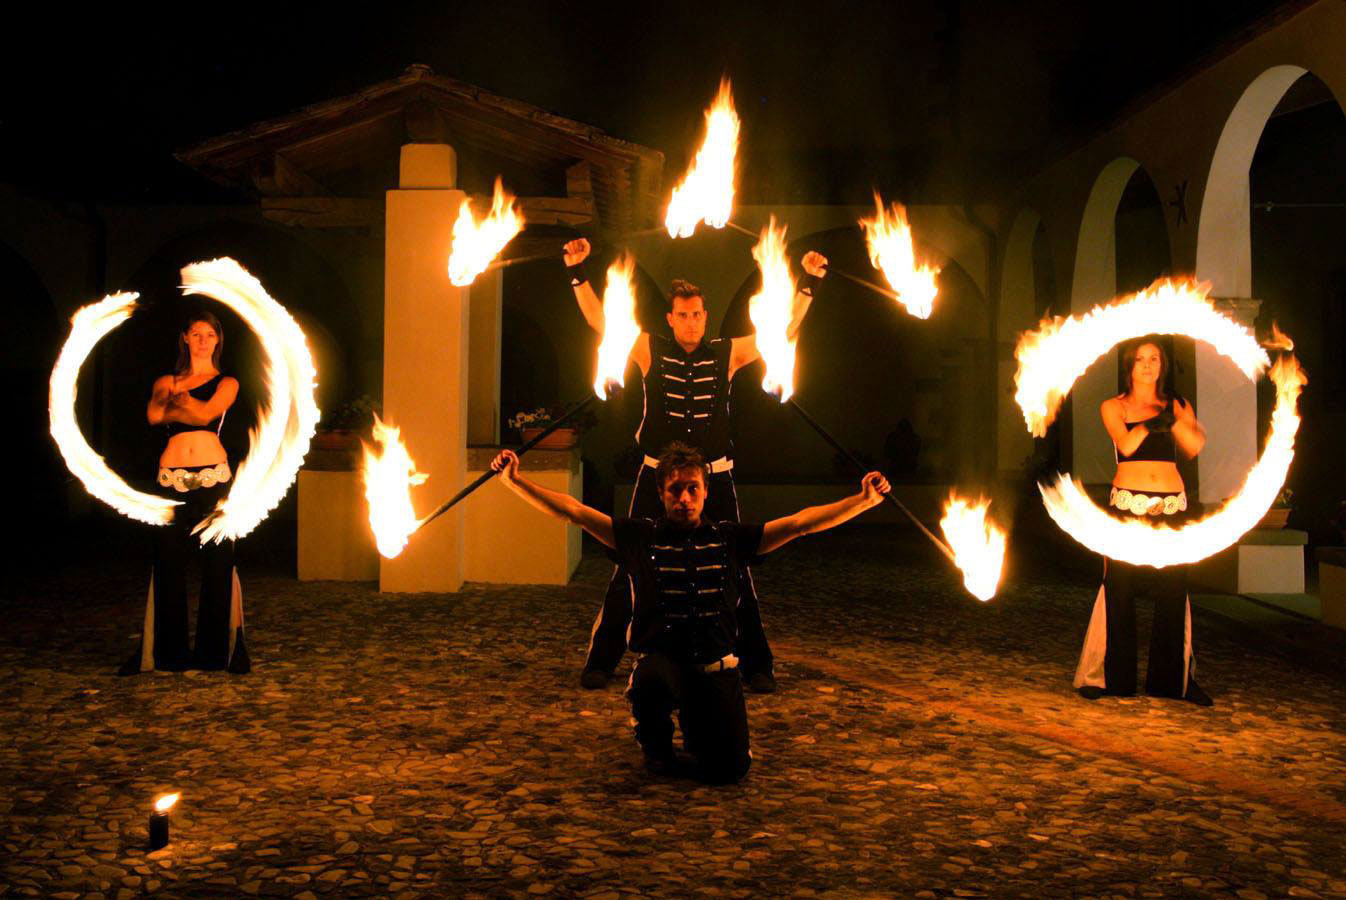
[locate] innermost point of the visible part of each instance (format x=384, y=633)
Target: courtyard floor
x=921, y=744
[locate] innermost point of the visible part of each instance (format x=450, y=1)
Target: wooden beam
x=324, y=212
x=425, y=124
x=547, y=210
x=287, y=180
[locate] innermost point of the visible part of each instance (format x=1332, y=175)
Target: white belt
x=723, y=464
x=184, y=480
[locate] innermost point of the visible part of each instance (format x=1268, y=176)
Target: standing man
x=686, y=382
x=684, y=571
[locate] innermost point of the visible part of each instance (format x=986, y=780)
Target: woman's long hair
x=1129, y=351
x=184, y=364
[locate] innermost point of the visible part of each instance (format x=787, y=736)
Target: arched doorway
x=1123, y=245
x=864, y=366
x=1297, y=194
x=29, y=342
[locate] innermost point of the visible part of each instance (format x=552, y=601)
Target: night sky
x=929, y=100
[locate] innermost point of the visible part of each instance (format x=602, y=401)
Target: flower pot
x=560, y=439
x=336, y=440
x=1276, y=517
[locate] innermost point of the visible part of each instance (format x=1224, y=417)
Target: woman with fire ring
x=1149, y=427
x=194, y=469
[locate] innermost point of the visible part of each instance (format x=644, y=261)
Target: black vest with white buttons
x=696, y=592
x=687, y=398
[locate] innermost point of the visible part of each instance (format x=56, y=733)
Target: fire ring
x=278, y=443
x=1051, y=360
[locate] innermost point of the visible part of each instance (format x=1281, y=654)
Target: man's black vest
x=687, y=398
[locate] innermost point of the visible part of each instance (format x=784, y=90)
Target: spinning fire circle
x=1054, y=356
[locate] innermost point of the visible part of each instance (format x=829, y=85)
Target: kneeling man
x=684, y=577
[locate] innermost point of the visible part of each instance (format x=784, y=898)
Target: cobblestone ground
x=921, y=744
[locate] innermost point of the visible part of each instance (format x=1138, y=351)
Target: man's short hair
x=682, y=289
x=678, y=456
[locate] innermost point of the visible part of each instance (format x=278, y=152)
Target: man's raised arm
x=745, y=350
x=576, y=252
x=562, y=506
x=812, y=519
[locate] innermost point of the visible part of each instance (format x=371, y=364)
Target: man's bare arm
x=553, y=503
x=810, y=520
x=744, y=350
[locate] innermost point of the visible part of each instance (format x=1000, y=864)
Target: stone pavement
x=922, y=744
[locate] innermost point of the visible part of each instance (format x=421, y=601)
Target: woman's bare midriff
x=1148, y=475
x=192, y=448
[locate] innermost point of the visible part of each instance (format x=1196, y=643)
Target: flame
x=89, y=325
x=888, y=237
x=166, y=802
x=1054, y=356
x=978, y=545
x=389, y=475
x=620, y=329
x=477, y=242
x=1278, y=340
x=285, y=425
x=771, y=311
x=1050, y=360
x=707, y=192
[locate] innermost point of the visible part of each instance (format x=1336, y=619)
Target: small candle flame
x=166, y=802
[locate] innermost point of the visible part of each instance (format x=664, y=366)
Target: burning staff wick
x=860, y=467
x=159, y=820
x=491, y=473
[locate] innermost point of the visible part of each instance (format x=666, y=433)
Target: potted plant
x=1279, y=514
x=341, y=426
x=532, y=422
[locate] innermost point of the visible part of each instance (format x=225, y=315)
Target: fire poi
x=285, y=423
x=1060, y=350
x=478, y=241
x=706, y=194
x=893, y=252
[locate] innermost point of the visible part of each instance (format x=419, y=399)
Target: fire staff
x=1148, y=429
x=685, y=575
x=686, y=383
x=194, y=468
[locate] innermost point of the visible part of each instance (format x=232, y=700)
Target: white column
x=425, y=359
x=1226, y=404
x=483, y=403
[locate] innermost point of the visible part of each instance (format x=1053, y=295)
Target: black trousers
x=607, y=642
x=1167, y=669
x=711, y=712
x=1108, y=659
x=219, y=616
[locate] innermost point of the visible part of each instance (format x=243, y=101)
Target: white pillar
x=425, y=359
x=483, y=404
x=1226, y=404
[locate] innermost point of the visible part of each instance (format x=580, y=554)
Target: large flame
x=166, y=802
x=978, y=545
x=771, y=311
x=286, y=423
x=620, y=328
x=707, y=193
x=1054, y=356
x=88, y=326
x=1059, y=352
x=477, y=241
x=892, y=251
x=389, y=475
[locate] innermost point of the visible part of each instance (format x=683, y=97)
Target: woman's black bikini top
x=202, y=392
x=1155, y=447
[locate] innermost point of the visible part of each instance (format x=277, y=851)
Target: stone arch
x=1224, y=227
x=1019, y=310
x=29, y=342
x=1094, y=281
